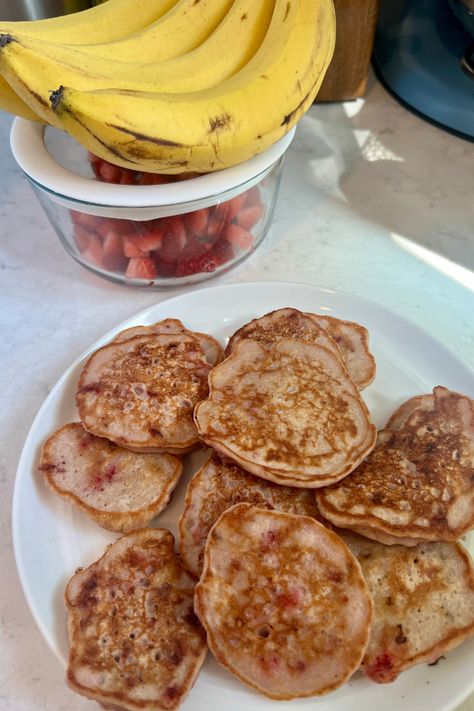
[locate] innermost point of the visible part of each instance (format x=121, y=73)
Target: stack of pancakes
x=319, y=546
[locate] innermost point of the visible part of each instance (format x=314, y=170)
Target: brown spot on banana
x=221, y=121
x=289, y=117
x=244, y=16
x=144, y=137
x=5, y=40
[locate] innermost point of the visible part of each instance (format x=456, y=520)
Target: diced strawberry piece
x=141, y=268
x=132, y=248
x=195, y=246
x=253, y=197
x=109, y=172
x=238, y=236
x=93, y=251
x=218, y=220
x=381, y=669
x=112, y=224
x=113, y=257
x=150, y=241
x=291, y=598
x=163, y=268
x=223, y=251
x=90, y=222
x=236, y=204
x=249, y=216
x=82, y=237
x=174, y=239
x=127, y=178
x=196, y=222
x=203, y=263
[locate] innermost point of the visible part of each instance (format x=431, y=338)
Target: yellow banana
x=208, y=130
x=35, y=68
x=180, y=30
x=111, y=21
x=108, y=22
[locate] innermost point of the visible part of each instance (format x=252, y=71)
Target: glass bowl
x=143, y=229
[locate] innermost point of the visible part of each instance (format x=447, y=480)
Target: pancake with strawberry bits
x=135, y=642
x=346, y=339
x=119, y=489
x=287, y=412
x=141, y=393
x=423, y=602
x=417, y=484
x=283, y=601
x=172, y=326
x=216, y=486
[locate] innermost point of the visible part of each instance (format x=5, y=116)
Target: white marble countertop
x=373, y=201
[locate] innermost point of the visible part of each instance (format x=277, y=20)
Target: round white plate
x=52, y=539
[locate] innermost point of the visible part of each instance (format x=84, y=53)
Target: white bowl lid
x=27, y=140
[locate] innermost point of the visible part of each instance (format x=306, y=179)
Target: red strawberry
x=132, y=247
x=113, y=225
x=174, y=239
x=109, y=173
x=236, y=204
x=222, y=251
x=163, y=268
x=93, y=251
x=203, y=263
x=218, y=219
x=113, y=256
x=249, y=216
x=238, y=237
x=141, y=268
x=90, y=222
x=196, y=222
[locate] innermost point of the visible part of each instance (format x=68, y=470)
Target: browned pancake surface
x=423, y=602
x=172, y=326
x=119, y=489
x=283, y=602
x=417, y=484
x=141, y=393
x=216, y=486
x=134, y=639
x=346, y=339
x=288, y=412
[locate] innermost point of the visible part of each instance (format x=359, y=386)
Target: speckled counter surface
x=373, y=201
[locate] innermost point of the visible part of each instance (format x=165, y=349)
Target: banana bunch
x=188, y=85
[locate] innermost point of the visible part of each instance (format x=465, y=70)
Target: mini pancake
x=134, y=640
x=283, y=601
x=346, y=339
x=288, y=412
x=119, y=489
x=141, y=393
x=416, y=485
x=423, y=602
x=216, y=486
x=172, y=326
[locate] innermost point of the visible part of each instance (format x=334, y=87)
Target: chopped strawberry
x=249, y=216
x=195, y=246
x=174, y=239
x=113, y=256
x=127, y=178
x=196, y=222
x=291, y=598
x=203, y=263
x=219, y=219
x=253, y=197
x=163, y=268
x=82, y=237
x=150, y=241
x=141, y=268
x=91, y=222
x=236, y=204
x=238, y=236
x=93, y=251
x=109, y=173
x=223, y=251
x=381, y=669
x=112, y=224
x=132, y=247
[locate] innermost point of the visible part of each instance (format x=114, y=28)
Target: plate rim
x=466, y=371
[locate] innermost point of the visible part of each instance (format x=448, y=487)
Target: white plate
x=51, y=539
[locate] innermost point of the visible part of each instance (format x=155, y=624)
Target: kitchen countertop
x=373, y=200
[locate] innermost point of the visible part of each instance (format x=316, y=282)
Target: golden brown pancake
x=423, y=602
x=417, y=484
x=119, y=489
x=216, y=486
x=288, y=412
x=283, y=601
x=348, y=340
x=134, y=640
x=172, y=326
x=141, y=393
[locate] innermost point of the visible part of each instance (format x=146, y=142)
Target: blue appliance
x=424, y=53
